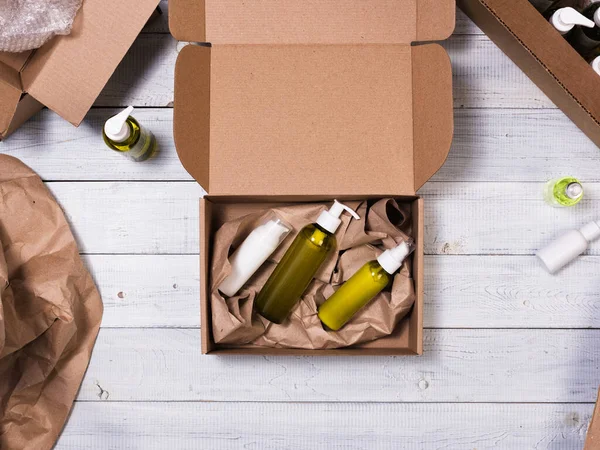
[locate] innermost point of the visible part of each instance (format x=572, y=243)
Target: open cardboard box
x=544, y=55
x=306, y=101
x=68, y=73
x=592, y=440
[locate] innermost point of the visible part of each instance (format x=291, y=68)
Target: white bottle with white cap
x=253, y=252
x=124, y=134
x=565, y=19
x=569, y=246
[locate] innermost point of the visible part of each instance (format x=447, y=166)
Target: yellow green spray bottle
x=123, y=134
x=299, y=265
x=362, y=287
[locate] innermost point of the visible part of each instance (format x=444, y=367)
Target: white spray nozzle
x=569, y=246
x=330, y=220
x=597, y=17
x=392, y=259
x=565, y=19
x=116, y=128
x=596, y=62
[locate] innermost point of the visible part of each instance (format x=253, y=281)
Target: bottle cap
x=567, y=247
x=275, y=230
x=565, y=19
x=330, y=220
x=596, y=62
x=116, y=128
x=392, y=259
x=574, y=190
x=597, y=17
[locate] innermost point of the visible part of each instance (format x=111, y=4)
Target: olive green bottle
x=362, y=287
x=122, y=133
x=299, y=265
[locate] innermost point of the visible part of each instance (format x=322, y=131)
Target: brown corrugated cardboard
x=544, y=55
x=68, y=73
x=304, y=101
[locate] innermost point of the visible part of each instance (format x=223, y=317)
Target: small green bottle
x=362, y=287
x=122, y=133
x=563, y=192
x=299, y=265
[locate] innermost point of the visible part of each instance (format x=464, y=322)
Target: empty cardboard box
x=544, y=55
x=303, y=101
x=68, y=73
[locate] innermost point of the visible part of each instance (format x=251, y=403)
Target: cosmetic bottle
x=299, y=265
x=568, y=247
x=587, y=40
x=563, y=192
x=565, y=19
x=124, y=134
x=253, y=252
x=362, y=287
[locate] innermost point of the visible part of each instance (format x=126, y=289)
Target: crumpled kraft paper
x=28, y=24
x=385, y=223
x=50, y=312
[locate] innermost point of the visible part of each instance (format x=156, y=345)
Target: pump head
x=330, y=220
x=565, y=19
x=392, y=259
x=116, y=128
x=596, y=63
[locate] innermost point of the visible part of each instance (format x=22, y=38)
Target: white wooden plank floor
x=511, y=353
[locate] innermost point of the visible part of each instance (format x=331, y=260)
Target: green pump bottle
x=299, y=265
x=362, y=287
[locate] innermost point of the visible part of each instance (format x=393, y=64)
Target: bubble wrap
x=28, y=24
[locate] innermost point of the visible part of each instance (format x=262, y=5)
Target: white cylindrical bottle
x=253, y=252
x=569, y=246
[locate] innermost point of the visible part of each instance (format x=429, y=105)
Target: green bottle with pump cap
x=122, y=133
x=362, y=287
x=299, y=265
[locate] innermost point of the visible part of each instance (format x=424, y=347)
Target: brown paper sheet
x=50, y=312
x=385, y=224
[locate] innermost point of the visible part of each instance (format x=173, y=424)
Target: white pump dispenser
x=330, y=220
x=392, y=259
x=595, y=63
x=565, y=19
x=116, y=128
x=569, y=246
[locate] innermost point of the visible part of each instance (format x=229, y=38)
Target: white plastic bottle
x=565, y=19
x=569, y=246
x=253, y=252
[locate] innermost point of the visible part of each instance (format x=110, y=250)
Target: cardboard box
x=592, y=440
x=306, y=101
x=68, y=73
x=544, y=55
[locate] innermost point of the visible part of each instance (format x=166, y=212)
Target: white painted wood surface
x=511, y=353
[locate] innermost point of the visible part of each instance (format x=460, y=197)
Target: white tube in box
x=253, y=252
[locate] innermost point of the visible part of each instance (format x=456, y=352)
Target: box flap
x=284, y=120
x=10, y=93
x=15, y=60
x=68, y=73
x=433, y=110
x=311, y=21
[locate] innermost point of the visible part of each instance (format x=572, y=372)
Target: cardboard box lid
x=68, y=73
x=316, y=119
x=311, y=21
